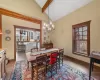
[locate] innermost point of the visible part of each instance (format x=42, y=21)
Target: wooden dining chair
x=40, y=67
x=60, y=58
x=34, y=49
x=52, y=63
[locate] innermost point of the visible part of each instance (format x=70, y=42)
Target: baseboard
x=82, y=62
x=12, y=60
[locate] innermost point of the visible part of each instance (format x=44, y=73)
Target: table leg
x=32, y=72
x=92, y=65
x=91, y=61
x=59, y=61
x=27, y=65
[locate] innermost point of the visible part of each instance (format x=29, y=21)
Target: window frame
x=87, y=23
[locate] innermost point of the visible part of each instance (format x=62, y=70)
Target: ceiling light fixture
x=49, y=26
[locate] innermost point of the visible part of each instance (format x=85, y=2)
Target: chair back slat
x=40, y=60
x=61, y=51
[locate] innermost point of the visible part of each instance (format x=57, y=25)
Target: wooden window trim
x=87, y=23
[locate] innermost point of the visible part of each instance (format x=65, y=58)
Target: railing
x=2, y=64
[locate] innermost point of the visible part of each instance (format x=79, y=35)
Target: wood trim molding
x=15, y=43
x=16, y=26
x=1, y=30
x=23, y=17
x=87, y=23
x=81, y=24
x=22, y=27
x=79, y=61
x=41, y=34
x=19, y=16
x=46, y=5
x=11, y=60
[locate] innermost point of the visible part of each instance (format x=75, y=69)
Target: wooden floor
x=9, y=69
x=84, y=67
x=76, y=64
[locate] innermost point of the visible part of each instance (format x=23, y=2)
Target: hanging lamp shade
x=0, y=32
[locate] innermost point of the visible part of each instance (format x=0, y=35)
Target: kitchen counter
x=1, y=52
x=2, y=64
x=27, y=46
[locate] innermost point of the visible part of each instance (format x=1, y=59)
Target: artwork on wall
x=8, y=38
x=7, y=31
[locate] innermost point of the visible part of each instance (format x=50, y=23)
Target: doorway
x=25, y=39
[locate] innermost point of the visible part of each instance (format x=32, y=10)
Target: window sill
x=81, y=54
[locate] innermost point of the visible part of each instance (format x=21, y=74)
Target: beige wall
x=26, y=7
x=8, y=24
x=62, y=36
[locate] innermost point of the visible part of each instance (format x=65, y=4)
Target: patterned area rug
x=65, y=73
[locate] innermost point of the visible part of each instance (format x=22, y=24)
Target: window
x=81, y=38
x=27, y=35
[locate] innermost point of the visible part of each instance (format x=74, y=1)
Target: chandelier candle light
x=48, y=26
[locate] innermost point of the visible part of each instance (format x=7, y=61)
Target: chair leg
x=62, y=60
x=32, y=74
x=36, y=74
x=27, y=65
x=59, y=62
x=92, y=66
x=44, y=74
x=51, y=70
x=56, y=67
x=46, y=68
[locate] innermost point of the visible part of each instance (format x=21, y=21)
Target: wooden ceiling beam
x=19, y=16
x=46, y=5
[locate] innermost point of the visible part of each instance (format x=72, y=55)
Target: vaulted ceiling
x=60, y=8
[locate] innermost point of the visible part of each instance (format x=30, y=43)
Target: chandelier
x=48, y=26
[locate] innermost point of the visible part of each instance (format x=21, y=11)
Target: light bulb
x=53, y=26
x=44, y=24
x=49, y=29
x=44, y=27
x=50, y=23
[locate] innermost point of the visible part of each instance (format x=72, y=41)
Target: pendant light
x=49, y=26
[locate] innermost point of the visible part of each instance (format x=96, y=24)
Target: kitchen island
x=25, y=47
x=2, y=64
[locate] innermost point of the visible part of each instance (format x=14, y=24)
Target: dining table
x=94, y=58
x=31, y=57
